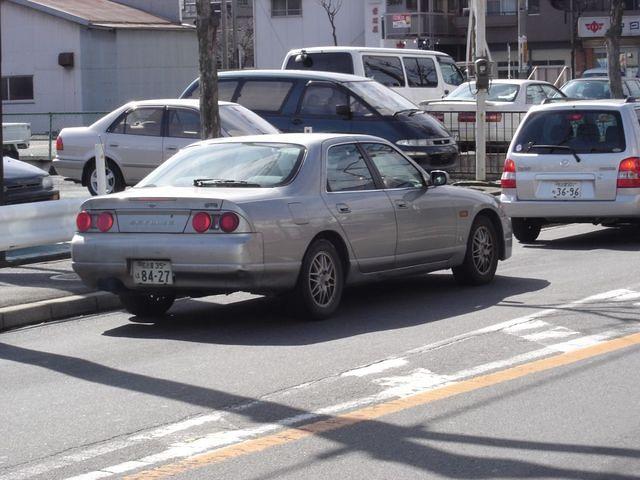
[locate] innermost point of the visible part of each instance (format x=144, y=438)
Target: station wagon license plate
x=152, y=272
x=566, y=190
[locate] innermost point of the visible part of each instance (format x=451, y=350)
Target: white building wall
x=154, y=64
x=275, y=36
x=31, y=42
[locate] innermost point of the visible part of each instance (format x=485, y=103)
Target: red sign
x=594, y=26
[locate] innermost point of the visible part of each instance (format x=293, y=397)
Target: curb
x=57, y=309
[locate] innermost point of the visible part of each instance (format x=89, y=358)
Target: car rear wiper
x=531, y=145
x=216, y=182
x=410, y=111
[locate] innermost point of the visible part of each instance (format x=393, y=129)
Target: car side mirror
x=343, y=111
x=439, y=177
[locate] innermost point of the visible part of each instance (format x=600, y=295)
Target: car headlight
x=415, y=142
x=47, y=183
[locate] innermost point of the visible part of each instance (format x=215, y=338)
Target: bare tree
x=613, y=48
x=332, y=7
x=207, y=30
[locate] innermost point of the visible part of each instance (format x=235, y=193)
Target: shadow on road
x=625, y=239
x=370, y=308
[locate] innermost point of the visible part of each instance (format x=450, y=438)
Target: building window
x=18, y=88
x=286, y=8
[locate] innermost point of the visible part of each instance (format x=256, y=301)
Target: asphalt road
x=534, y=376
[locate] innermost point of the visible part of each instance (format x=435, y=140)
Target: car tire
x=115, y=180
x=320, y=282
x=146, y=305
x=526, y=231
x=481, y=258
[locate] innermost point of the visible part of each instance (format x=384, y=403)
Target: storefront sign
x=401, y=21
x=589, y=27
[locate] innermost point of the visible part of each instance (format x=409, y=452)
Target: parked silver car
x=300, y=213
x=574, y=162
x=139, y=136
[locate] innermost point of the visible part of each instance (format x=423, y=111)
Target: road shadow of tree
x=369, y=308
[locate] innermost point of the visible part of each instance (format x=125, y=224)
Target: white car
x=507, y=103
x=573, y=162
x=139, y=136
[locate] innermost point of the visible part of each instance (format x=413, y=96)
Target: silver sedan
x=304, y=214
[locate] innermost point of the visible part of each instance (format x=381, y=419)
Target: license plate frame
x=152, y=272
x=567, y=190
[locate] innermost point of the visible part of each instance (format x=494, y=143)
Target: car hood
x=423, y=125
x=16, y=170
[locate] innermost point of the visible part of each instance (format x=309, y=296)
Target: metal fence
x=499, y=127
x=45, y=128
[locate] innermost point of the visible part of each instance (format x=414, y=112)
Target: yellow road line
x=382, y=409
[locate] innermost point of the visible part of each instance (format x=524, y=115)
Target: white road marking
x=557, y=332
x=415, y=381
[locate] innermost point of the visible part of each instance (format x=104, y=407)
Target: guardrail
x=38, y=223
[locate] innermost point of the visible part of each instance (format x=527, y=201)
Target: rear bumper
x=433, y=158
x=624, y=206
x=205, y=264
x=68, y=168
x=12, y=198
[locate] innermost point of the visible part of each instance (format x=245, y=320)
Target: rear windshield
x=588, y=89
x=584, y=131
x=498, y=92
x=339, y=62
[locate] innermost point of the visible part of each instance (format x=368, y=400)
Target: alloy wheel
x=322, y=279
x=482, y=249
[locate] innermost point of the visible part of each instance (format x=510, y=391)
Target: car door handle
x=402, y=204
x=114, y=145
x=343, y=208
x=296, y=121
x=172, y=149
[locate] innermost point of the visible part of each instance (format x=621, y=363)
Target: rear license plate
x=566, y=190
x=152, y=272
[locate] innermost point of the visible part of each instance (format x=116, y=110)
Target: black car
x=309, y=101
x=24, y=183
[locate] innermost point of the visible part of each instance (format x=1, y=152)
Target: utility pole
x=522, y=38
x=234, y=35
x=2, y=254
x=223, y=28
x=482, y=91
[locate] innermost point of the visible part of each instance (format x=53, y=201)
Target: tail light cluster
x=102, y=221
x=466, y=117
x=59, y=144
x=508, y=179
x=202, y=222
x=437, y=115
x=629, y=173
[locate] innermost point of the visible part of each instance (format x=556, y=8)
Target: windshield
x=237, y=121
x=589, y=89
x=262, y=164
x=498, y=92
x=382, y=99
x=584, y=131
x=450, y=72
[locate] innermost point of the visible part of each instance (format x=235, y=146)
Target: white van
x=417, y=74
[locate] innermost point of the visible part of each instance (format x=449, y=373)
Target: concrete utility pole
x=522, y=38
x=223, y=28
x=481, y=96
x=207, y=31
x=1, y=132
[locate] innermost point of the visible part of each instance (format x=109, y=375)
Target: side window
x=421, y=72
x=347, y=170
x=141, y=121
x=535, y=95
x=264, y=95
x=395, y=170
x=322, y=100
x=385, y=70
x=183, y=123
x=634, y=88
x=638, y=115
x=550, y=92
x=226, y=89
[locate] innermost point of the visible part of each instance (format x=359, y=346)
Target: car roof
x=514, y=81
x=308, y=74
x=174, y=102
x=304, y=139
x=397, y=51
x=608, y=103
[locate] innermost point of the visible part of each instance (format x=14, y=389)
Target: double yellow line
x=382, y=409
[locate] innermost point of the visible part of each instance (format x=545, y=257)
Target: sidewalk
x=47, y=291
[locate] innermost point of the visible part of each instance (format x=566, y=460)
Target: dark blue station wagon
x=303, y=101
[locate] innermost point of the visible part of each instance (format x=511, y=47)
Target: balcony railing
x=400, y=25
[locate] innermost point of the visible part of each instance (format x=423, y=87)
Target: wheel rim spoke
x=482, y=249
x=322, y=279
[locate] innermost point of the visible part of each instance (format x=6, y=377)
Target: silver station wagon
x=303, y=214
x=574, y=162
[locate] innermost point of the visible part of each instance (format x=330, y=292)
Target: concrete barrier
x=38, y=223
